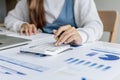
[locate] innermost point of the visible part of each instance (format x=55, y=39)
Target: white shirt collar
x=53, y=9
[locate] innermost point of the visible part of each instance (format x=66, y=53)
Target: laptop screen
x=10, y=41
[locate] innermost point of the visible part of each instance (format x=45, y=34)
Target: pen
x=12, y=70
x=59, y=35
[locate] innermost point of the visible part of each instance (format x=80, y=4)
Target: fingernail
x=56, y=38
x=56, y=44
x=59, y=43
x=65, y=42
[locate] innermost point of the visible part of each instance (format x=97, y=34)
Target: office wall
x=6, y=6
x=2, y=10
x=110, y=5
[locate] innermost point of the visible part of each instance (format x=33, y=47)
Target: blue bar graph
x=107, y=68
x=11, y=70
x=83, y=79
x=69, y=59
x=5, y=72
x=80, y=62
x=87, y=63
x=92, y=54
x=92, y=65
x=105, y=51
x=76, y=62
x=26, y=65
x=100, y=66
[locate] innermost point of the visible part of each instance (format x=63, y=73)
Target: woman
x=73, y=21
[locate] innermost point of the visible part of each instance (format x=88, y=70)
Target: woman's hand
x=28, y=29
x=67, y=34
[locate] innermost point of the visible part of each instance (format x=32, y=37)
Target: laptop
x=10, y=41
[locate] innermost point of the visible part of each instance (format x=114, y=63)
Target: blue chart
x=107, y=56
x=9, y=71
x=87, y=63
x=26, y=65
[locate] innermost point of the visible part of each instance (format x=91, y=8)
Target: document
x=32, y=37
x=95, y=61
x=22, y=64
x=40, y=35
x=16, y=69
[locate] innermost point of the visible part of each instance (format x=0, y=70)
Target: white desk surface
x=57, y=68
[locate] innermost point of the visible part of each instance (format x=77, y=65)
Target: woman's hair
x=37, y=13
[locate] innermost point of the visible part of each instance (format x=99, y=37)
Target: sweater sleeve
x=88, y=21
x=17, y=16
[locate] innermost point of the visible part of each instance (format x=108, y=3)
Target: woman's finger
x=26, y=31
x=34, y=29
x=54, y=31
x=74, y=39
x=70, y=39
x=65, y=36
x=21, y=31
x=61, y=29
x=67, y=32
x=30, y=30
x=24, y=28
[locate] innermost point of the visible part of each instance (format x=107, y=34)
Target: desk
x=60, y=67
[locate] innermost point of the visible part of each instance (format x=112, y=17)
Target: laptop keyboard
x=3, y=37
